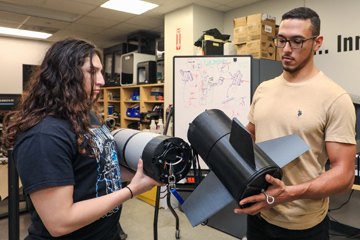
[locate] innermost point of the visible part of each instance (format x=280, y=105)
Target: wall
x=341, y=66
x=191, y=21
x=14, y=53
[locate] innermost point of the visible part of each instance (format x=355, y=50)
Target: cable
x=353, y=235
x=347, y=201
x=196, y=169
x=164, y=196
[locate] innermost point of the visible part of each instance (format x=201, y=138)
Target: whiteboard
x=210, y=82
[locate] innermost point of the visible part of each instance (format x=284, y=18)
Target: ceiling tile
x=99, y=22
x=176, y=4
x=69, y=6
x=62, y=34
x=44, y=22
x=126, y=27
x=12, y=17
x=158, y=12
x=237, y=4
x=100, y=25
x=84, y=28
x=208, y=4
x=223, y=1
x=37, y=3
x=39, y=28
x=8, y=24
x=112, y=33
x=110, y=14
x=146, y=21
x=158, y=2
x=92, y=2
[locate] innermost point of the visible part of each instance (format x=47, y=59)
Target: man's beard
x=297, y=68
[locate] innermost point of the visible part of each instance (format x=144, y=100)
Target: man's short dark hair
x=305, y=13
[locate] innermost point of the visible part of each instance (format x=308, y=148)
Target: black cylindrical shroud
x=209, y=135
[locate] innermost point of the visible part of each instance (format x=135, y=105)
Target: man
x=305, y=102
x=65, y=158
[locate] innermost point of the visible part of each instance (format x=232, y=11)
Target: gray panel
x=284, y=149
x=263, y=70
x=269, y=69
x=207, y=199
x=229, y=222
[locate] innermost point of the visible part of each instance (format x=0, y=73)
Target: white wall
x=192, y=21
x=182, y=19
x=205, y=19
x=14, y=53
x=342, y=67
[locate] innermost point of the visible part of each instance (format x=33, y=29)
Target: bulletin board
x=210, y=82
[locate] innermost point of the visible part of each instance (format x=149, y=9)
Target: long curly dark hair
x=57, y=88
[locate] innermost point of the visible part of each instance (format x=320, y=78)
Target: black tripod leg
x=156, y=215
x=177, y=233
x=13, y=199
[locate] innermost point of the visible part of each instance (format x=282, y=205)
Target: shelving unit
x=126, y=93
x=121, y=98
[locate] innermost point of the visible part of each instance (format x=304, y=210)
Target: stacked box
x=262, y=48
x=260, y=31
x=259, y=25
x=240, y=29
x=241, y=49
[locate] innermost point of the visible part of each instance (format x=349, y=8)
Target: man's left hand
x=277, y=190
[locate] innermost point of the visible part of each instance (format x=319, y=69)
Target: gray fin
x=207, y=199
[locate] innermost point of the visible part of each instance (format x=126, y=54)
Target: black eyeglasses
x=295, y=43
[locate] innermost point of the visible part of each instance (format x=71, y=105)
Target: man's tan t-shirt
x=317, y=110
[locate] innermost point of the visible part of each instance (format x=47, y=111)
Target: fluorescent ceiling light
x=23, y=33
x=130, y=6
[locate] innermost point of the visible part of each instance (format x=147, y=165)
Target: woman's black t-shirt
x=46, y=155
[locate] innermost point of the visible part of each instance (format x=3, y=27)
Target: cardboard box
x=241, y=49
x=262, y=48
x=240, y=30
x=259, y=25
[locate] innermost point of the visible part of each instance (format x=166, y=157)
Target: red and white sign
x=178, y=39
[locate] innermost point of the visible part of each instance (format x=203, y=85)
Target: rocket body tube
x=240, y=175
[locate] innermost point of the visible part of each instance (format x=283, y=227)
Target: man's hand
x=277, y=189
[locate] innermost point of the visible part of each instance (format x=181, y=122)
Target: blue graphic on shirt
x=108, y=167
x=299, y=113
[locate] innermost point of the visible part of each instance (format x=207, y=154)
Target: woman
x=66, y=159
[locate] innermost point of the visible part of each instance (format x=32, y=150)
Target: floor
x=137, y=221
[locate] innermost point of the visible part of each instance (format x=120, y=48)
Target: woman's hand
x=142, y=183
